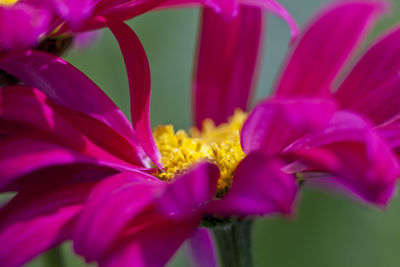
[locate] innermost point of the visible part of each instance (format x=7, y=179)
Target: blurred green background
x=328, y=230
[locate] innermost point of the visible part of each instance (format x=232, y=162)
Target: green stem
x=234, y=244
x=53, y=258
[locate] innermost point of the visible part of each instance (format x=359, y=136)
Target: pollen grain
x=217, y=144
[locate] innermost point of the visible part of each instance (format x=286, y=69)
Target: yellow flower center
x=216, y=144
x=7, y=2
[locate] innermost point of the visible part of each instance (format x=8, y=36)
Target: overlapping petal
x=24, y=109
x=202, y=249
x=35, y=221
x=150, y=214
x=354, y=154
x=372, y=87
x=260, y=187
x=275, y=124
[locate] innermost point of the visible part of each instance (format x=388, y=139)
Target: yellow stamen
x=7, y=2
x=217, y=144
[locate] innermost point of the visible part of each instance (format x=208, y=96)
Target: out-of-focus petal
x=34, y=222
x=202, y=249
x=325, y=46
x=274, y=124
x=152, y=234
x=372, y=87
x=259, y=187
x=31, y=111
x=123, y=10
x=66, y=86
x=390, y=132
x=110, y=208
x=21, y=25
x=353, y=153
x=138, y=70
x=134, y=208
x=21, y=156
x=227, y=62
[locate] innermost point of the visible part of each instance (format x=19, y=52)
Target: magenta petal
x=31, y=111
x=325, y=46
x=227, y=61
x=274, y=124
x=110, y=208
x=191, y=190
x=353, y=153
x=202, y=249
x=151, y=241
x=138, y=70
x=33, y=222
x=259, y=187
x=66, y=86
x=21, y=25
x=123, y=10
x=21, y=156
x=372, y=87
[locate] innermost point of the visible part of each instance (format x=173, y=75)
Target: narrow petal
x=32, y=110
x=325, y=46
x=33, y=223
x=275, y=124
x=259, y=187
x=353, y=153
x=138, y=70
x=372, y=87
x=66, y=86
x=202, y=249
x=227, y=63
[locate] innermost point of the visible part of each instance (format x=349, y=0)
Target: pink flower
x=96, y=184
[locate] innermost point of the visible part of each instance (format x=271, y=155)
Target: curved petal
x=33, y=222
x=110, y=208
x=66, y=86
x=353, y=153
x=138, y=70
x=259, y=187
x=325, y=46
x=151, y=235
x=227, y=62
x=30, y=110
x=202, y=249
x=275, y=124
x=372, y=87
